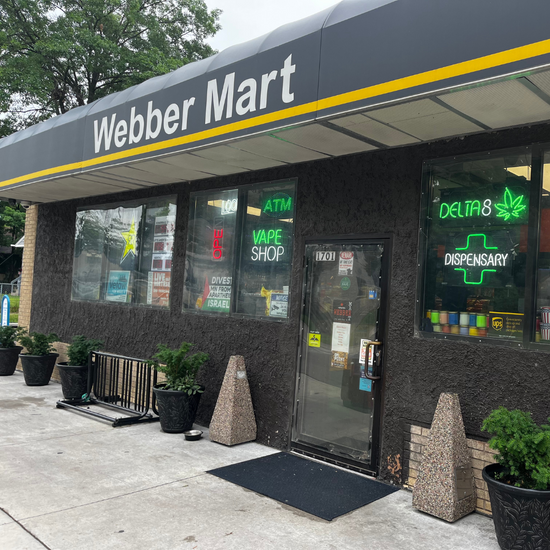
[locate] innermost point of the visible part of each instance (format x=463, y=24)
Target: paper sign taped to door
x=345, y=265
x=364, y=383
x=340, y=337
x=338, y=360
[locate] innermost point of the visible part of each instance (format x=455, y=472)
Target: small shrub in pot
x=178, y=398
x=39, y=361
x=9, y=350
x=519, y=484
x=74, y=373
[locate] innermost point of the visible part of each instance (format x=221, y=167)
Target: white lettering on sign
x=267, y=253
x=223, y=100
x=471, y=259
x=221, y=281
x=217, y=102
x=229, y=207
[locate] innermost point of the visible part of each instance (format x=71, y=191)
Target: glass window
x=266, y=252
x=239, y=251
x=123, y=254
x=477, y=221
x=210, y=253
x=542, y=324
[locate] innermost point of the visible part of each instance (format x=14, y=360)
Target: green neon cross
x=483, y=270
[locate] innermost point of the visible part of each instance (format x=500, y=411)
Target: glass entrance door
x=341, y=356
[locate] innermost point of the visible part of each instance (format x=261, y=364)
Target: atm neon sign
x=278, y=205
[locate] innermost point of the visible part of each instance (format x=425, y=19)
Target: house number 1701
x=325, y=256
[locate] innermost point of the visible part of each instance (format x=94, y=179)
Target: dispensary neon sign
x=474, y=262
x=509, y=208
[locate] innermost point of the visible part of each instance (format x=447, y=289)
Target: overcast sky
x=244, y=20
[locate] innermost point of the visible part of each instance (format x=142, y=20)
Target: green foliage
x=59, y=54
x=12, y=222
x=8, y=336
x=14, y=304
x=79, y=349
x=180, y=368
x=37, y=343
x=524, y=447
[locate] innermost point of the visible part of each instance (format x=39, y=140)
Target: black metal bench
x=120, y=383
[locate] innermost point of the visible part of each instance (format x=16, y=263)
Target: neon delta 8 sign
x=502, y=205
x=483, y=260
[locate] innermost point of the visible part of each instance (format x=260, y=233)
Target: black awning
x=356, y=55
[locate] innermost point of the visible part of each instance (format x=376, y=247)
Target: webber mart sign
x=221, y=99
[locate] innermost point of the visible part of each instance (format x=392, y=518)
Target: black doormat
x=318, y=489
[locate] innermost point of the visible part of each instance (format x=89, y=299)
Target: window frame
x=533, y=239
x=240, y=223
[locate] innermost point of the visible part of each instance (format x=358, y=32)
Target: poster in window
x=117, y=286
x=165, y=225
x=279, y=305
x=216, y=295
x=158, y=288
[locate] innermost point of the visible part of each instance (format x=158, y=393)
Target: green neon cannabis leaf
x=511, y=206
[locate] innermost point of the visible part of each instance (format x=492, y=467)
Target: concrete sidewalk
x=70, y=482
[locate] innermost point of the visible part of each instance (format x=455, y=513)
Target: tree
x=12, y=223
x=59, y=54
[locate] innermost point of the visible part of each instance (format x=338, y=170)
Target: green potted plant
x=519, y=484
x=39, y=361
x=178, y=397
x=74, y=372
x=9, y=351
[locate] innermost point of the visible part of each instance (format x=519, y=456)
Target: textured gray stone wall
x=359, y=194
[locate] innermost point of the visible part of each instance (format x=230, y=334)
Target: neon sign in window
x=504, y=205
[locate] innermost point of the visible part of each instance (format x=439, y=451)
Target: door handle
x=377, y=356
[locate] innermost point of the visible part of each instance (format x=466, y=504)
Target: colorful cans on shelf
x=545, y=314
x=444, y=317
x=455, y=329
x=437, y=328
x=473, y=319
x=464, y=318
x=545, y=331
x=473, y=331
x=429, y=314
x=446, y=329
x=435, y=318
x=453, y=318
x=482, y=331
x=465, y=330
x=481, y=321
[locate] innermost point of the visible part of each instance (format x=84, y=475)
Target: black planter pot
x=521, y=516
x=177, y=409
x=74, y=380
x=8, y=360
x=38, y=369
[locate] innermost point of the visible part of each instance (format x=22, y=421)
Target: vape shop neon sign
x=273, y=241
x=475, y=262
x=509, y=208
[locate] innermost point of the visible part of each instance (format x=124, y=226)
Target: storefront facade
x=420, y=226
